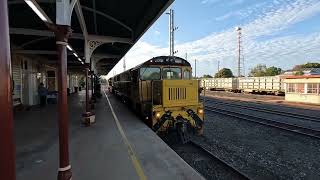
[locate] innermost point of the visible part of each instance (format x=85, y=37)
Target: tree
x=258, y=71
x=263, y=70
x=224, y=73
x=207, y=76
x=273, y=71
x=299, y=73
x=307, y=65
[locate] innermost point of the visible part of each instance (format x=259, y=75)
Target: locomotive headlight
x=158, y=115
x=200, y=111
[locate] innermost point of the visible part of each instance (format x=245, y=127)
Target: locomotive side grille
x=177, y=93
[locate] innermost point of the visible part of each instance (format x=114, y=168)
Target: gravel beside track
x=283, y=116
x=259, y=151
x=277, y=107
x=269, y=121
x=205, y=162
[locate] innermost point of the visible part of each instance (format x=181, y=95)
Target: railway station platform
x=117, y=146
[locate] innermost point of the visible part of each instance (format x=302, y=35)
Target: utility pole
x=172, y=29
x=195, y=68
x=187, y=56
x=238, y=29
x=124, y=63
x=218, y=66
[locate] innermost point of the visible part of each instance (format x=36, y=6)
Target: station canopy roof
x=120, y=22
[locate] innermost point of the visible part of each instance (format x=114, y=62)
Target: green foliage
x=262, y=70
x=258, y=71
x=298, y=73
x=224, y=73
x=207, y=76
x=307, y=65
x=273, y=71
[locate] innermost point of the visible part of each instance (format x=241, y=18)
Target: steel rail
x=281, y=125
x=211, y=155
x=273, y=111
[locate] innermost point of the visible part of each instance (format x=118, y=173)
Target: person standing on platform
x=43, y=92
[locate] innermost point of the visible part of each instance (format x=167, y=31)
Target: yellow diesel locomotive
x=163, y=92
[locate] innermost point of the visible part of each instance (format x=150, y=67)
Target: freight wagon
x=220, y=84
x=261, y=85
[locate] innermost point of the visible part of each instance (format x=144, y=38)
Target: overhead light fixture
x=82, y=62
x=69, y=47
x=79, y=60
x=36, y=10
x=76, y=55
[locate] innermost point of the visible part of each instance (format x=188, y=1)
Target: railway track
x=206, y=163
x=273, y=111
x=265, y=121
x=236, y=172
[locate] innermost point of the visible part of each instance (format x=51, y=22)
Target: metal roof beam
x=104, y=39
x=110, y=39
x=82, y=22
x=108, y=17
x=34, y=32
x=46, y=52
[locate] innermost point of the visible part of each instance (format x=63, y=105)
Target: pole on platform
x=62, y=33
x=7, y=150
x=87, y=90
x=88, y=116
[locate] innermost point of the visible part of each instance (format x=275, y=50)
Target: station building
x=305, y=89
x=28, y=73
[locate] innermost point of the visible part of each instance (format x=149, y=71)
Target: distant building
x=304, y=88
x=306, y=72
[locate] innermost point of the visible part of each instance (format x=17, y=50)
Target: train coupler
x=195, y=117
x=183, y=129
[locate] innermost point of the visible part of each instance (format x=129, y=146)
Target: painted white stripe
x=65, y=168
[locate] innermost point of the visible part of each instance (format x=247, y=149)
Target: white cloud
x=282, y=51
x=157, y=33
x=209, y=1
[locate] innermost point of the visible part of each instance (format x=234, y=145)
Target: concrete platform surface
x=113, y=148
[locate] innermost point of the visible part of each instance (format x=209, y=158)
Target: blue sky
x=275, y=32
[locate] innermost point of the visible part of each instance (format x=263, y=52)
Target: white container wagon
x=220, y=84
x=263, y=85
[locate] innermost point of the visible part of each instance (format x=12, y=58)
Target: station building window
x=312, y=88
x=295, y=88
x=290, y=88
x=300, y=88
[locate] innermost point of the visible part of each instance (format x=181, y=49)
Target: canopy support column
x=62, y=33
x=7, y=150
x=88, y=116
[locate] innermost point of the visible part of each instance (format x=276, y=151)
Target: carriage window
x=149, y=73
x=171, y=73
x=186, y=74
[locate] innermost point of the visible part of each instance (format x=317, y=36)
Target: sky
x=279, y=33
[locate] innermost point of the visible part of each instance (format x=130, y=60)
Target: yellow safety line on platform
x=132, y=155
